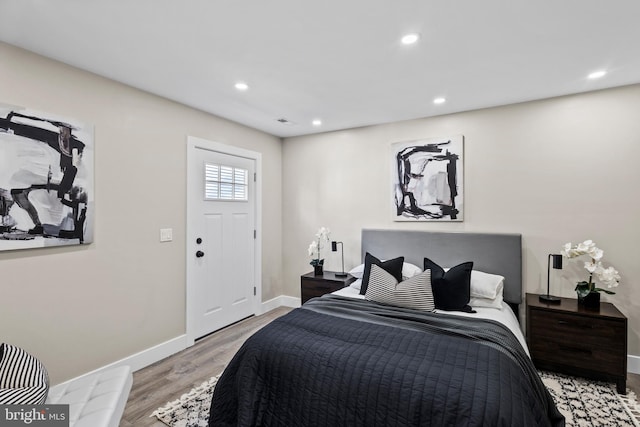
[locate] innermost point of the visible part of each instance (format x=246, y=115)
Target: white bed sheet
x=504, y=315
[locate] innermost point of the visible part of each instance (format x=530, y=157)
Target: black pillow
x=451, y=289
x=391, y=266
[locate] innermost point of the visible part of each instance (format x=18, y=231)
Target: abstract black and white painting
x=427, y=178
x=46, y=180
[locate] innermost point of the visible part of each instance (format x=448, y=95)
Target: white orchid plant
x=607, y=276
x=316, y=245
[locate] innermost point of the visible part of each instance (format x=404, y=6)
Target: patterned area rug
x=592, y=403
x=583, y=403
x=191, y=409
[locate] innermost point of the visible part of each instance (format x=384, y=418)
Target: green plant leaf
x=606, y=291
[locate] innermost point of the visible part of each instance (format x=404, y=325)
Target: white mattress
x=504, y=315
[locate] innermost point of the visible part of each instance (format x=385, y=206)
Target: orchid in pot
x=322, y=236
x=588, y=292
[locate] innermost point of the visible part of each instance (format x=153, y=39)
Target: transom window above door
x=225, y=183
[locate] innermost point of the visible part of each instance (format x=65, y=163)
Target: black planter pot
x=317, y=270
x=591, y=300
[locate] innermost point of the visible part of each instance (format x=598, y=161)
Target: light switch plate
x=166, y=234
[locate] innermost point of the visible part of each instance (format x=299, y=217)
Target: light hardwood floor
x=167, y=379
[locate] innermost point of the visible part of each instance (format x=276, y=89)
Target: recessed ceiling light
x=439, y=100
x=316, y=122
x=597, y=74
x=410, y=38
x=242, y=86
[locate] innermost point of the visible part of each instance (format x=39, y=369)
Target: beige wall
x=80, y=308
x=559, y=170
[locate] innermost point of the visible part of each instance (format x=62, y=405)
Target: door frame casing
x=194, y=143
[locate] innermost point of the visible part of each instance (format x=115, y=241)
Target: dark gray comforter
x=343, y=362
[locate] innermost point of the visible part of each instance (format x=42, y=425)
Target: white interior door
x=221, y=239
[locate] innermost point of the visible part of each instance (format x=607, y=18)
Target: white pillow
x=485, y=285
x=356, y=284
x=486, y=302
x=357, y=271
x=408, y=270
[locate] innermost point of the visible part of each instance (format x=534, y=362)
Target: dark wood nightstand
x=570, y=339
x=312, y=286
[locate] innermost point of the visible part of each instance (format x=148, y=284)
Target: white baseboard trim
x=144, y=358
x=281, y=301
x=158, y=352
x=633, y=364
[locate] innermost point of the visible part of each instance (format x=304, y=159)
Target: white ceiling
x=337, y=60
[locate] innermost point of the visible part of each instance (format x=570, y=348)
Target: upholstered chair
x=23, y=378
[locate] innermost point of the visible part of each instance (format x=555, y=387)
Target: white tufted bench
x=95, y=400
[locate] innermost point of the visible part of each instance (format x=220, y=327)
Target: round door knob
x=199, y=254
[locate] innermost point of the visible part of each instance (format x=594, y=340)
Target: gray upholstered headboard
x=491, y=253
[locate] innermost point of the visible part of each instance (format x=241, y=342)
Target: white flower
x=596, y=253
x=566, y=250
x=323, y=234
x=586, y=246
x=313, y=248
x=591, y=266
x=608, y=276
x=316, y=245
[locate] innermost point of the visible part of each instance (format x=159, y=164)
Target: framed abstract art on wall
x=427, y=177
x=46, y=180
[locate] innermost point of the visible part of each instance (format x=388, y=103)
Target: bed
x=342, y=360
